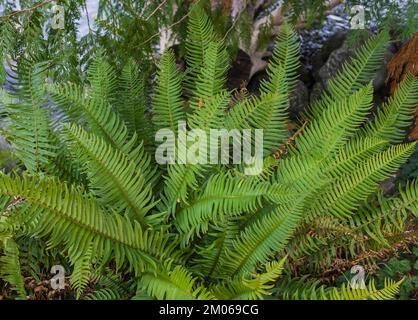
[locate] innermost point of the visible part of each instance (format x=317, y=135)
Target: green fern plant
x=90, y=190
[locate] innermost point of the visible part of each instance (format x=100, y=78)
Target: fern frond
x=80, y=277
x=303, y=289
x=211, y=115
x=354, y=152
x=325, y=137
x=104, y=123
x=95, y=111
x=255, y=287
x=265, y=237
x=73, y=219
x=174, y=284
x=212, y=77
x=224, y=195
x=108, y=286
x=292, y=288
x=361, y=69
x=211, y=252
x=167, y=101
x=63, y=166
x=395, y=115
x=7, y=41
x=370, y=292
x=182, y=177
x=388, y=216
x=312, y=236
x=409, y=195
x=200, y=33
x=10, y=268
x=30, y=126
x=343, y=195
x=284, y=64
x=132, y=101
x=114, y=178
x=267, y=112
x=330, y=130
x=104, y=294
x=102, y=79
x=70, y=99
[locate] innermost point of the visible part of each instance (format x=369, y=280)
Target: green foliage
x=200, y=34
x=284, y=64
x=310, y=11
x=10, y=268
x=167, y=102
x=130, y=228
x=404, y=266
x=28, y=110
x=391, y=288
x=396, y=16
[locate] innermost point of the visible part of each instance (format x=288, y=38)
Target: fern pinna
x=91, y=196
